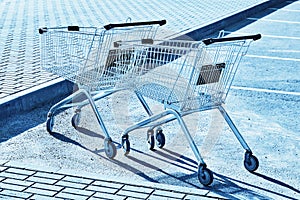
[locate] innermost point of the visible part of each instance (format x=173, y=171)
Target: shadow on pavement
x=17, y=124
x=277, y=182
x=228, y=183
x=224, y=186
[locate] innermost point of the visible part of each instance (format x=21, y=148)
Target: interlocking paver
x=42, y=197
x=41, y=180
x=18, y=182
x=138, y=189
x=169, y=194
x=13, y=175
x=47, y=187
x=108, y=184
x=102, y=189
x=14, y=194
x=77, y=191
x=20, y=171
x=71, y=196
x=78, y=180
x=108, y=196
x=12, y=187
x=49, y=175
x=133, y=194
x=71, y=184
x=40, y=191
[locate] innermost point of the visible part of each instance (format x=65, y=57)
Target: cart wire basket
x=187, y=77
x=90, y=58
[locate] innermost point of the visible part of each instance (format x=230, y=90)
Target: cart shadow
x=225, y=184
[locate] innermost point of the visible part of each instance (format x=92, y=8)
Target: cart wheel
x=160, y=138
x=150, y=139
x=110, y=148
x=125, y=145
x=75, y=120
x=49, y=125
x=205, y=176
x=251, y=162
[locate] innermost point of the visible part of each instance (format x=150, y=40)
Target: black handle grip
x=110, y=26
x=214, y=40
x=42, y=30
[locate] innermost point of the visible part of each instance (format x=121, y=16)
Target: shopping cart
x=187, y=77
x=90, y=58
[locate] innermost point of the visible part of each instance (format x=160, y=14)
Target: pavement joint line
x=266, y=90
x=273, y=20
x=273, y=57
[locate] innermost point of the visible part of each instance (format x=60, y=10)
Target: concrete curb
x=48, y=93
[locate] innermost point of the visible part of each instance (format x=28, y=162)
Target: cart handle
x=214, y=40
x=110, y=26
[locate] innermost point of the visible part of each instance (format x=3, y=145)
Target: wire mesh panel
x=187, y=75
x=88, y=56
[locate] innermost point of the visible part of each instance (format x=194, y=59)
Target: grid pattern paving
x=24, y=183
x=20, y=20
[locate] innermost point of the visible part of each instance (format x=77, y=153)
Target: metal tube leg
x=234, y=129
x=99, y=118
x=144, y=103
x=188, y=136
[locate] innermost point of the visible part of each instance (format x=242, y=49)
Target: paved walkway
x=19, y=22
x=33, y=183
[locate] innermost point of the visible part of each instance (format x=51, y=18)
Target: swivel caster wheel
x=75, y=120
x=251, y=163
x=160, y=138
x=110, y=148
x=205, y=176
x=150, y=139
x=125, y=145
x=49, y=125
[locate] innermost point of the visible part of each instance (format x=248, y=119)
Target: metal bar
x=234, y=129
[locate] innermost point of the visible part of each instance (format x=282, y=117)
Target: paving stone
x=12, y=187
x=20, y=171
x=108, y=196
x=70, y=196
x=71, y=184
x=168, y=194
x=18, y=182
x=2, y=168
x=41, y=180
x=102, y=189
x=42, y=197
x=14, y=194
x=108, y=184
x=49, y=175
x=132, y=194
x=138, y=189
x=77, y=191
x=196, y=197
x=40, y=191
x=78, y=180
x=13, y=175
x=47, y=187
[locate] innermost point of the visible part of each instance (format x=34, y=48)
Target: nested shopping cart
x=90, y=58
x=187, y=77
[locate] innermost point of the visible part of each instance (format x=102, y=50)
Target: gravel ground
x=276, y=146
